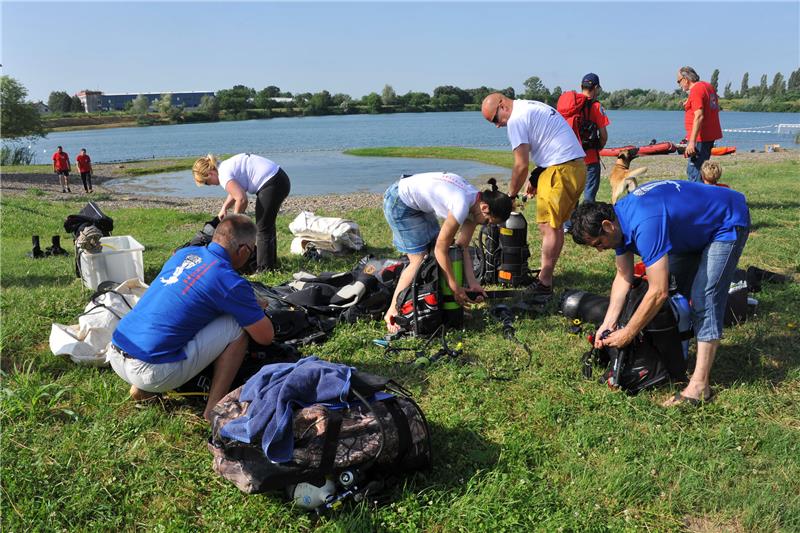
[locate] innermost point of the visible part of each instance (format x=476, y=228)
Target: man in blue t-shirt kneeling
x=694, y=231
x=195, y=312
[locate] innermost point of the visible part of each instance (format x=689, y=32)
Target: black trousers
x=268, y=202
x=86, y=177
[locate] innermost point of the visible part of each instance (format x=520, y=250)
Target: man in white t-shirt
x=538, y=132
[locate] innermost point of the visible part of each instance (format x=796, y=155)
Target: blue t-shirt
x=196, y=286
x=678, y=217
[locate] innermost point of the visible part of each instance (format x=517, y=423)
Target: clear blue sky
x=356, y=48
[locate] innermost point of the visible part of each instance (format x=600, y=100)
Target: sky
x=357, y=48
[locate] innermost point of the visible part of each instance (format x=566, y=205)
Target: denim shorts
x=412, y=231
x=707, y=277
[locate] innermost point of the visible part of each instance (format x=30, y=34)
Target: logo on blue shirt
x=641, y=191
x=188, y=263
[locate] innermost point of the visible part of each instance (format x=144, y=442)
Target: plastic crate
x=120, y=260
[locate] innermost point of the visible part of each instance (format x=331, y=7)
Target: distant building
x=281, y=99
x=41, y=107
x=99, y=101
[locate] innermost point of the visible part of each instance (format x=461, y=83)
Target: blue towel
x=273, y=393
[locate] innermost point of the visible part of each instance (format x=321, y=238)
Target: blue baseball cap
x=590, y=81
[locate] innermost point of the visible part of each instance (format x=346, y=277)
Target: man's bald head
x=496, y=108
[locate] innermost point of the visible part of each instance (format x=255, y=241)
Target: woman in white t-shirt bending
x=249, y=173
x=411, y=207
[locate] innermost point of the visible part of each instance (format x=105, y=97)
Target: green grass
x=501, y=158
x=547, y=451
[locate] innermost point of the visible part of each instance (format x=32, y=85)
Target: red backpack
x=575, y=108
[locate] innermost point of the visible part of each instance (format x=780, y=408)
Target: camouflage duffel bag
x=380, y=434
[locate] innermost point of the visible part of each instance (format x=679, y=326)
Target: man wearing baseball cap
x=590, y=87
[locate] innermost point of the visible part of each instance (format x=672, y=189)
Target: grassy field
x=546, y=451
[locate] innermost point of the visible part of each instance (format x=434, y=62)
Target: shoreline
x=45, y=184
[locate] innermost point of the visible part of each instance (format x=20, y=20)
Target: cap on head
x=590, y=81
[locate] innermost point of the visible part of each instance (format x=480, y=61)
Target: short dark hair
x=499, y=202
x=587, y=220
x=60, y=148
x=233, y=231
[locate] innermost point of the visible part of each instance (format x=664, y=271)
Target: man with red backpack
x=588, y=120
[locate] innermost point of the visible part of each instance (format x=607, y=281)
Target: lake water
x=309, y=148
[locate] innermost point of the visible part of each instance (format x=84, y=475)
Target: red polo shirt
x=703, y=96
x=61, y=160
x=84, y=163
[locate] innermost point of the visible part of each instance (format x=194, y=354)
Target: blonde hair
x=711, y=172
x=202, y=167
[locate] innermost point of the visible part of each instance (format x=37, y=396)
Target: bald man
x=538, y=132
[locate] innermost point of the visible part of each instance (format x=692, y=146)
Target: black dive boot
x=56, y=248
x=36, y=251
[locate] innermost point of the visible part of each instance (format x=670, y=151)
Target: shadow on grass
x=773, y=205
x=761, y=225
x=34, y=281
x=760, y=358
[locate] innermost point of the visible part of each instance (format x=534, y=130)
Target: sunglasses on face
x=495, y=118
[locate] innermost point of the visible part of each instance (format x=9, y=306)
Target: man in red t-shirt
x=62, y=167
x=85, y=168
x=701, y=120
x=590, y=87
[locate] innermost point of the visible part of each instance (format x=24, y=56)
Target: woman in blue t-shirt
x=243, y=174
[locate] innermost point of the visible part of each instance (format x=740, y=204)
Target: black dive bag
x=653, y=358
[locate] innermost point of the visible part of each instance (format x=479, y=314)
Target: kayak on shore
x=653, y=148
x=717, y=150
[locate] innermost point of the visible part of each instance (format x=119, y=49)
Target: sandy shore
x=663, y=166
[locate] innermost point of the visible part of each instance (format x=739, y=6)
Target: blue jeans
x=707, y=276
x=592, y=182
x=412, y=231
x=696, y=161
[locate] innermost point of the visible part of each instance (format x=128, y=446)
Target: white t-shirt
x=250, y=171
x=551, y=139
x=439, y=193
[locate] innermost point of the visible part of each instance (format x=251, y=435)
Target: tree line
x=241, y=102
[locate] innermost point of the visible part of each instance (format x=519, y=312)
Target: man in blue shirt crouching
x=195, y=312
x=694, y=231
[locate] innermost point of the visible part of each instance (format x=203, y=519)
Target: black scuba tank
x=514, y=251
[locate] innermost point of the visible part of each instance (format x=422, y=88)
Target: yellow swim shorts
x=560, y=187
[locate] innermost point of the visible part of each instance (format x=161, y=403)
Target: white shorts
x=201, y=351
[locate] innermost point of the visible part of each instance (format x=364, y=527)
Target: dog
x=623, y=180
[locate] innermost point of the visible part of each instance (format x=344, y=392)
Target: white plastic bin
x=120, y=260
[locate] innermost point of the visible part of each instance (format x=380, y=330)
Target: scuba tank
x=514, y=251
x=584, y=306
x=453, y=312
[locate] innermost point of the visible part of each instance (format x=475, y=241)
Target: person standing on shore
x=537, y=131
x=61, y=167
x=85, y=168
x=592, y=132
x=411, y=207
x=249, y=173
x=701, y=120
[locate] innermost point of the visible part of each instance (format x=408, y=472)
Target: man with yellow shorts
x=538, y=132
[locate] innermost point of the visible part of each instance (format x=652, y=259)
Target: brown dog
x=622, y=180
